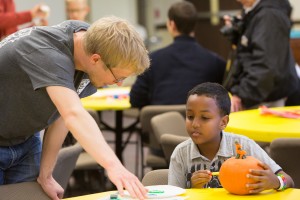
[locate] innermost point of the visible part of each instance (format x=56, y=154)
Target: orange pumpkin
x=234, y=170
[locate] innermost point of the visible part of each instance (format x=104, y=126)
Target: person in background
x=178, y=67
x=77, y=9
x=56, y=66
x=263, y=71
x=10, y=19
x=192, y=161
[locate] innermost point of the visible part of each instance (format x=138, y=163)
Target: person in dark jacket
x=177, y=68
x=264, y=69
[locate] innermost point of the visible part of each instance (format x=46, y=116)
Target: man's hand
x=227, y=20
x=51, y=188
x=236, y=104
x=122, y=178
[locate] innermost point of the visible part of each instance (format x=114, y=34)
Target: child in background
x=207, y=115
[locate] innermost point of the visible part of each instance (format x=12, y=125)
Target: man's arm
x=12, y=19
x=83, y=127
x=53, y=139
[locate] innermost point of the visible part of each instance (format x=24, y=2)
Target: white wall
x=122, y=8
x=296, y=9
x=126, y=9
x=57, y=13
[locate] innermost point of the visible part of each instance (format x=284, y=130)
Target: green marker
x=156, y=191
x=114, y=197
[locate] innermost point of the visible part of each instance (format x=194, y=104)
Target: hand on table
x=200, y=178
x=51, y=188
x=123, y=179
x=264, y=179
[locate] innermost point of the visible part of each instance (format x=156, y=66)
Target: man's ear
x=95, y=58
x=224, y=122
x=173, y=25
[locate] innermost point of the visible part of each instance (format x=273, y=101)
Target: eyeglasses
x=117, y=80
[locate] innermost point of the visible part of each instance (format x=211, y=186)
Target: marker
x=215, y=173
x=114, y=197
x=156, y=191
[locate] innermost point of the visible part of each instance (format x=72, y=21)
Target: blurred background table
x=264, y=128
x=112, y=98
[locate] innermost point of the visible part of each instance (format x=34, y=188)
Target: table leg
x=118, y=130
x=119, y=134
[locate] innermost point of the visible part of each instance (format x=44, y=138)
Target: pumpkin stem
x=240, y=153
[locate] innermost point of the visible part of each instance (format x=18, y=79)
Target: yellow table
x=217, y=194
x=264, y=128
x=114, y=98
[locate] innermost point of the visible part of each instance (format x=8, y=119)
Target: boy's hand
x=264, y=179
x=200, y=178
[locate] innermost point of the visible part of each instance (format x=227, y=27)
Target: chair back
x=169, y=142
x=65, y=164
x=156, y=177
x=286, y=153
x=169, y=122
x=24, y=191
x=150, y=111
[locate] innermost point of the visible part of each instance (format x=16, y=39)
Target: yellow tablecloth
x=217, y=194
x=264, y=128
x=108, y=99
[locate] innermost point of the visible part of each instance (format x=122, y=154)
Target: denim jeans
x=20, y=163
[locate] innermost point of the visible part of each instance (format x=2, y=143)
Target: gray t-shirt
x=186, y=159
x=31, y=60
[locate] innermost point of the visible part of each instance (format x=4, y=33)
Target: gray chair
x=155, y=161
x=65, y=164
x=156, y=177
x=286, y=153
x=63, y=169
x=168, y=123
x=169, y=142
x=89, y=173
x=24, y=191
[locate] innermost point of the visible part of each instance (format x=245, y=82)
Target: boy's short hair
x=118, y=44
x=184, y=14
x=215, y=91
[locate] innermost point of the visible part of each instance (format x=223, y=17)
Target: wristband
x=282, y=181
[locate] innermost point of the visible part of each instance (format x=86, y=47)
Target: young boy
x=207, y=115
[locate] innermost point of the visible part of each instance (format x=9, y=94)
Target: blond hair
x=118, y=44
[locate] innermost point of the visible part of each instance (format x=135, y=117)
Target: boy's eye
x=204, y=118
x=190, y=117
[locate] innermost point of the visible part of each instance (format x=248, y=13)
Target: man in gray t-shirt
x=44, y=72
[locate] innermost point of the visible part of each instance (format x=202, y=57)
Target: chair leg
x=142, y=156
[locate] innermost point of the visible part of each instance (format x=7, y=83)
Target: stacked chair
x=152, y=159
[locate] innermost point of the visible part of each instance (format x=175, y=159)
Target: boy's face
x=203, y=120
